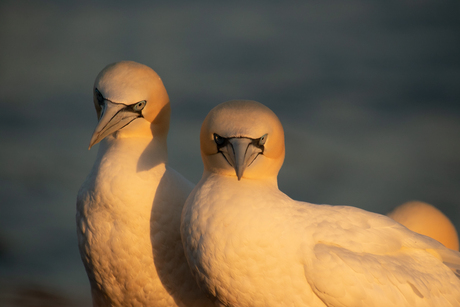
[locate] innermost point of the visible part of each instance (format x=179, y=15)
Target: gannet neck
x=268, y=182
x=243, y=139
x=144, y=153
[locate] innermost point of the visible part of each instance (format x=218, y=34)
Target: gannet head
x=243, y=139
x=427, y=220
x=130, y=99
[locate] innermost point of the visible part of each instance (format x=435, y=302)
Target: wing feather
x=341, y=277
x=370, y=260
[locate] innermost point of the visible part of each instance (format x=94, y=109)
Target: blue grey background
x=368, y=93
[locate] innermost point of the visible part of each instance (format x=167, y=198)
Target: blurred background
x=368, y=93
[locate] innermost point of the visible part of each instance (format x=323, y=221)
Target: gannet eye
x=218, y=139
x=263, y=139
x=139, y=106
x=99, y=97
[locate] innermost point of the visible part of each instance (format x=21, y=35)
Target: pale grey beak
x=113, y=118
x=240, y=153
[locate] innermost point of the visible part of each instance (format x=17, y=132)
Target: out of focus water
x=368, y=93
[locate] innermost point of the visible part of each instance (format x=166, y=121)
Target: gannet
x=129, y=207
x=249, y=244
x=426, y=219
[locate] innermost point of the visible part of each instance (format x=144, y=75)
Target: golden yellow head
x=244, y=139
x=427, y=220
x=130, y=97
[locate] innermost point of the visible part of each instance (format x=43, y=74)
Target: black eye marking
x=137, y=107
x=260, y=142
x=263, y=139
x=99, y=97
x=219, y=140
x=133, y=108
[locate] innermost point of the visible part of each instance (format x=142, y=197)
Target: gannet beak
x=240, y=153
x=112, y=119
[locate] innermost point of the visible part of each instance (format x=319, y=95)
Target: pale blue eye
x=139, y=106
x=263, y=139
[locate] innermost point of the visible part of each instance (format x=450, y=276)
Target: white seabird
x=249, y=244
x=128, y=208
x=427, y=220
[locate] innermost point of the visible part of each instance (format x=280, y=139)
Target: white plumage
x=249, y=244
x=128, y=209
x=427, y=220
